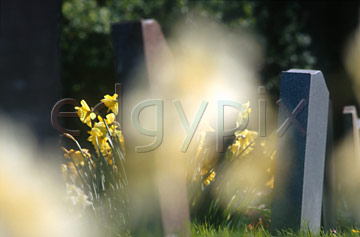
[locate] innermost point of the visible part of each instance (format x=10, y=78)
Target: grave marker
x=329, y=215
x=351, y=163
x=300, y=161
x=29, y=63
x=351, y=123
x=137, y=45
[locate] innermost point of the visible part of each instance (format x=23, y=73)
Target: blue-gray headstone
x=301, y=149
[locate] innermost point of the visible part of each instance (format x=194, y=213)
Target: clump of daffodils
x=95, y=178
x=237, y=184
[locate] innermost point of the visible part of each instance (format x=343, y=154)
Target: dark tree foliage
x=87, y=55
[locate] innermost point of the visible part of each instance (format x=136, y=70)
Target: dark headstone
x=129, y=53
x=137, y=47
x=300, y=161
x=29, y=63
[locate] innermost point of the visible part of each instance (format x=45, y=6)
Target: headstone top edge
x=315, y=75
x=302, y=71
x=116, y=24
x=148, y=21
x=349, y=109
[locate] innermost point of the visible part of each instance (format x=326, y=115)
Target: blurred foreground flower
x=237, y=184
x=31, y=200
x=77, y=196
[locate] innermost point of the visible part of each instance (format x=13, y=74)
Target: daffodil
x=85, y=113
x=242, y=144
x=86, y=153
x=243, y=117
x=100, y=132
x=210, y=178
x=235, y=148
x=101, y=126
x=115, y=132
x=121, y=140
x=105, y=148
x=77, y=156
x=96, y=136
x=73, y=170
x=110, y=118
x=111, y=103
x=206, y=182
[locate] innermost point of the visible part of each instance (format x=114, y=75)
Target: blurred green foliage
x=87, y=54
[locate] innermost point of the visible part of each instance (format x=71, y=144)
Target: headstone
x=351, y=125
x=329, y=214
x=139, y=44
x=29, y=63
x=350, y=163
x=301, y=151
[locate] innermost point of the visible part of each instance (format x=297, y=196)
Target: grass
x=206, y=230
x=209, y=230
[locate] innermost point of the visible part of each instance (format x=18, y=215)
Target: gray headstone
x=301, y=150
x=329, y=214
x=29, y=63
x=137, y=45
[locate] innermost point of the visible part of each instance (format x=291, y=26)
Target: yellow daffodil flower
x=243, y=115
x=111, y=103
x=101, y=126
x=76, y=156
x=99, y=130
x=210, y=178
x=73, y=170
x=95, y=133
x=243, y=140
x=206, y=182
x=118, y=133
x=110, y=118
x=86, y=153
x=114, y=131
x=85, y=113
x=105, y=148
